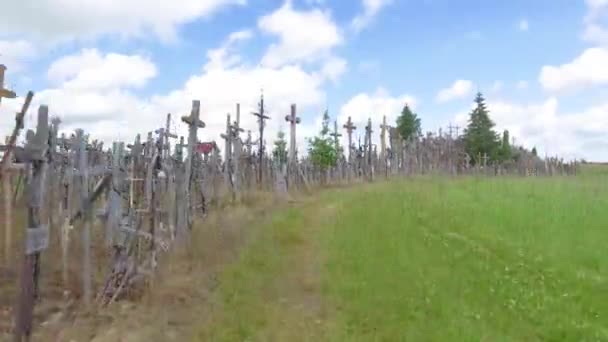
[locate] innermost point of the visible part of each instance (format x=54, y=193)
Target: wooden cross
x=237, y=149
x=293, y=120
x=194, y=123
x=368, y=143
x=37, y=234
x=227, y=142
x=5, y=93
x=349, y=129
x=336, y=135
x=452, y=129
x=227, y=150
x=249, y=143
x=383, y=128
x=261, y=117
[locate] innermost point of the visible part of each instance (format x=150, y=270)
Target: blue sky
x=115, y=68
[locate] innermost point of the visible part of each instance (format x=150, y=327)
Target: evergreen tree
x=321, y=148
x=408, y=124
x=479, y=136
x=505, y=147
x=279, y=153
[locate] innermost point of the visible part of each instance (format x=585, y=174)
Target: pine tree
x=408, y=124
x=479, y=136
x=321, y=148
x=279, y=153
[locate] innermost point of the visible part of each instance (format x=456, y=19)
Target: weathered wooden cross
x=293, y=120
x=37, y=234
x=261, y=117
x=350, y=127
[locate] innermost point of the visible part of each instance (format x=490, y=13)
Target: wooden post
x=37, y=235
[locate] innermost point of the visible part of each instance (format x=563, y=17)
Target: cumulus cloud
x=374, y=106
x=588, y=69
x=458, y=90
x=15, y=53
x=60, y=20
x=595, y=30
x=554, y=132
x=89, y=70
x=304, y=36
x=371, y=8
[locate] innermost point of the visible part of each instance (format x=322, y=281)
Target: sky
x=116, y=68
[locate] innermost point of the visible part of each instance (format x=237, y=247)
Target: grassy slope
x=426, y=259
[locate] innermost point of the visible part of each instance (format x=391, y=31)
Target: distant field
x=426, y=259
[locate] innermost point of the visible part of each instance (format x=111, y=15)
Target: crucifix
x=349, y=129
x=293, y=121
x=261, y=117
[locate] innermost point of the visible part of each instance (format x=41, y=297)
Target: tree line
x=481, y=141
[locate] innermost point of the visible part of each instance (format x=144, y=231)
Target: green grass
x=427, y=259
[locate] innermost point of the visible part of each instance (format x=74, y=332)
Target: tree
x=321, y=148
x=479, y=136
x=534, y=152
x=279, y=153
x=408, y=124
x=505, y=147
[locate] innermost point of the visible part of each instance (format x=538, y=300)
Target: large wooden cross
x=293, y=120
x=194, y=123
x=350, y=127
x=227, y=149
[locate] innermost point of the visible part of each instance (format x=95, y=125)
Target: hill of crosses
x=86, y=224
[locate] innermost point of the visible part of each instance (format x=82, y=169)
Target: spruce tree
x=279, y=153
x=505, y=147
x=479, y=136
x=408, y=124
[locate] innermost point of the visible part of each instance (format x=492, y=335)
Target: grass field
x=425, y=259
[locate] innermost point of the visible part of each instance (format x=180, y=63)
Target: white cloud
x=497, y=86
x=522, y=85
x=523, y=25
x=459, y=89
x=363, y=106
x=371, y=8
x=588, y=69
x=77, y=19
x=15, y=53
x=555, y=133
x=89, y=70
x=595, y=31
x=304, y=36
